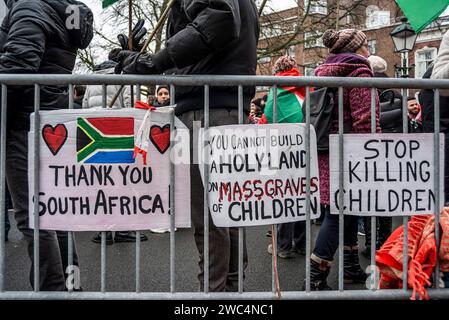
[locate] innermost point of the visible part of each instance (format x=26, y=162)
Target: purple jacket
x=356, y=105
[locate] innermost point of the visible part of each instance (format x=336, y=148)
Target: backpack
x=390, y=118
x=322, y=102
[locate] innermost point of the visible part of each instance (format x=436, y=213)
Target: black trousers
x=223, y=242
x=53, y=252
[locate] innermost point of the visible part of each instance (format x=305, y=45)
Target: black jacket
x=39, y=37
x=426, y=99
x=211, y=38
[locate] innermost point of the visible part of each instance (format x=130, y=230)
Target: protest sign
x=257, y=174
x=90, y=180
x=386, y=174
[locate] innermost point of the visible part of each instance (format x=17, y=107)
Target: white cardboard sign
x=386, y=174
x=90, y=181
x=257, y=174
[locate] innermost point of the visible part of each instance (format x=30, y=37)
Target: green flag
x=107, y=3
x=421, y=13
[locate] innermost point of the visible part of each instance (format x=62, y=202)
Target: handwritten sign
x=90, y=180
x=257, y=174
x=386, y=174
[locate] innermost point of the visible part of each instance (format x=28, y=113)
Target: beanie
x=346, y=40
x=378, y=64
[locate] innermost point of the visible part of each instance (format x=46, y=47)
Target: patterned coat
x=356, y=105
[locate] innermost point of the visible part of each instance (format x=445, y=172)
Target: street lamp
x=404, y=38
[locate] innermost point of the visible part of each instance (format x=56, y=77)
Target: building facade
x=297, y=32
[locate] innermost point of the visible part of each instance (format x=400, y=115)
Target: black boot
x=128, y=236
x=318, y=274
x=109, y=240
x=353, y=273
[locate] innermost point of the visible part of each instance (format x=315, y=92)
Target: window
x=313, y=39
x=291, y=51
x=372, y=46
x=316, y=6
x=423, y=59
x=265, y=59
x=309, y=70
x=378, y=19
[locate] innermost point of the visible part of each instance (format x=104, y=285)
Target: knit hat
x=346, y=40
x=378, y=64
x=284, y=63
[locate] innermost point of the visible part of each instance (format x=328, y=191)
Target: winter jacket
x=426, y=100
x=356, y=105
x=211, y=37
x=39, y=37
x=94, y=94
x=441, y=65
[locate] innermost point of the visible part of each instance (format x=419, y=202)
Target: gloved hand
x=138, y=32
x=133, y=62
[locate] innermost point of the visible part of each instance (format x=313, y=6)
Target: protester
x=439, y=71
x=34, y=38
x=255, y=111
x=348, y=58
x=441, y=65
x=379, y=66
x=390, y=122
x=162, y=98
x=197, y=44
x=78, y=95
x=93, y=97
x=426, y=99
x=291, y=237
x=414, y=115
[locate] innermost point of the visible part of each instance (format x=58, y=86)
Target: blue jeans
x=327, y=241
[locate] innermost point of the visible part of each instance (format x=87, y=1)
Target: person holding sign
x=348, y=58
x=206, y=37
x=39, y=37
x=290, y=236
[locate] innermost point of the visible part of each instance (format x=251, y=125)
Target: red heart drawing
x=54, y=137
x=160, y=137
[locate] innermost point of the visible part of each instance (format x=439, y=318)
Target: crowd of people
x=196, y=44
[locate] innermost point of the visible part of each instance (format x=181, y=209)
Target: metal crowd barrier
x=207, y=81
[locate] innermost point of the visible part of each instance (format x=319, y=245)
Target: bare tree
x=114, y=21
x=305, y=24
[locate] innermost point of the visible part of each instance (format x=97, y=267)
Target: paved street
x=155, y=264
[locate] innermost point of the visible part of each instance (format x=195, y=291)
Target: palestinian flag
x=421, y=13
x=105, y=140
x=289, y=102
x=107, y=3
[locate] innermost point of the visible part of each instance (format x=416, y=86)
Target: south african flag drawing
x=105, y=140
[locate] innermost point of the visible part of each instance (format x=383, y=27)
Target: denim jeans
x=327, y=241
x=53, y=252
